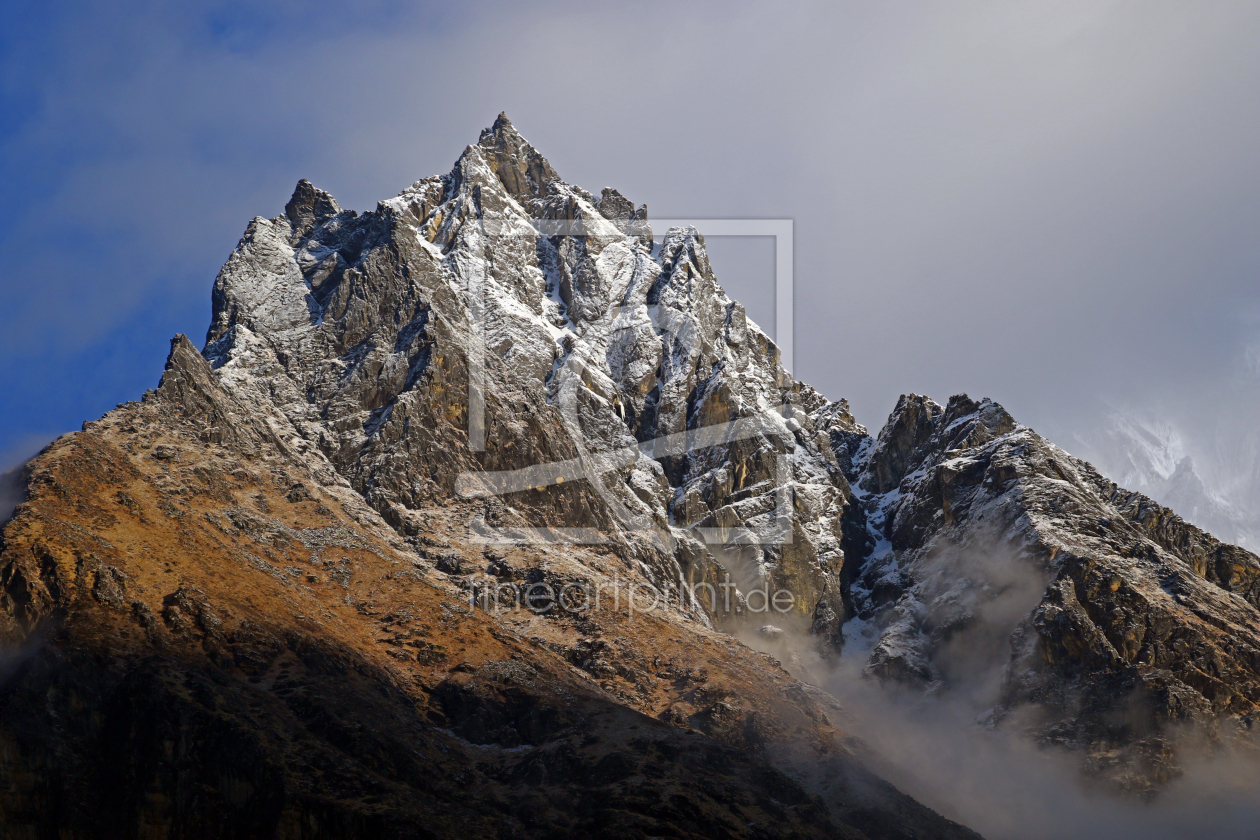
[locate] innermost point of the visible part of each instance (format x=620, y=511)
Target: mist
x=10, y=493
x=1195, y=449
x=1004, y=786
x=12, y=479
x=944, y=745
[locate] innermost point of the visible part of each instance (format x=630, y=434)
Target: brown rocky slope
x=204, y=637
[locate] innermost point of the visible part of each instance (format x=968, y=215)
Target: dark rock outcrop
x=1121, y=627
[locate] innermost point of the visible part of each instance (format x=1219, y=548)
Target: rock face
x=1119, y=624
x=362, y=334
x=210, y=634
x=279, y=597
x=308, y=587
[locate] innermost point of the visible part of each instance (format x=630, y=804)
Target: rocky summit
x=453, y=525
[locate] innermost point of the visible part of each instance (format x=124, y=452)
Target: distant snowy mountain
x=1153, y=457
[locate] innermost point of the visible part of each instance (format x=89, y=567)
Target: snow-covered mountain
x=501, y=336
x=498, y=378
x=496, y=333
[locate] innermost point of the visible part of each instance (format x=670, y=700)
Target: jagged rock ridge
x=362, y=331
x=1124, y=626
x=241, y=607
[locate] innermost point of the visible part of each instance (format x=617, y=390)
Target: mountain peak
x=403, y=416
x=309, y=205
x=524, y=172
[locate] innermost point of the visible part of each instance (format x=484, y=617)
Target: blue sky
x=137, y=141
x=1051, y=204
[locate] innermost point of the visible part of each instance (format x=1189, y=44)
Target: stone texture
x=362, y=332
x=190, y=649
x=1125, y=628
